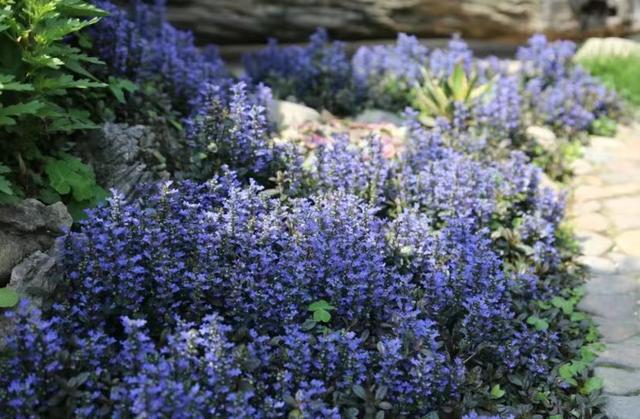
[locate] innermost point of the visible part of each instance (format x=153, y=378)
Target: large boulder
x=28, y=227
x=607, y=47
x=124, y=156
x=284, y=114
x=37, y=275
x=246, y=21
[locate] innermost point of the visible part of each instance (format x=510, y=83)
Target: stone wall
x=253, y=21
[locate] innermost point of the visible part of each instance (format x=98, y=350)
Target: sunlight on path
x=605, y=211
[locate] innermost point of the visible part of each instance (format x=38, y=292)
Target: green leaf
x=320, y=305
x=5, y=186
x=7, y=83
x=359, y=391
x=70, y=175
x=565, y=305
x=591, y=385
x=8, y=297
x=577, y=317
x=80, y=8
x=538, y=323
x=567, y=372
x=459, y=83
x=497, y=392
x=28, y=108
x=119, y=86
x=321, y=316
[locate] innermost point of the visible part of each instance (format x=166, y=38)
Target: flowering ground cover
x=325, y=274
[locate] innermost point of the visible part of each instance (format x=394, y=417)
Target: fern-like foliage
x=38, y=71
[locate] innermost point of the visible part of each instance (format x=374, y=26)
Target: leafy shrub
x=39, y=72
x=318, y=75
x=436, y=281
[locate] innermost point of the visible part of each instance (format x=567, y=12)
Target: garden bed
x=390, y=245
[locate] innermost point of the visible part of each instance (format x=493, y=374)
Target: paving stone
x=625, y=354
x=598, y=264
x=588, y=192
x=585, y=208
x=617, y=330
x=619, y=382
x=594, y=244
x=623, y=407
x=629, y=242
x=621, y=222
x=591, y=222
x=627, y=264
x=612, y=284
x=611, y=306
x=598, y=155
x=626, y=205
x=589, y=180
x=614, y=177
x=581, y=167
x=605, y=212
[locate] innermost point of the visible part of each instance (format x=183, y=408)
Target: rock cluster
x=28, y=231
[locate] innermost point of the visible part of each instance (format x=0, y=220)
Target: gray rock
x=612, y=284
x=27, y=227
x=31, y=215
x=124, y=156
x=36, y=276
x=623, y=407
x=594, y=244
x=619, y=382
x=617, y=330
x=611, y=306
x=607, y=47
x=290, y=114
x=625, y=354
x=377, y=116
x=242, y=21
x=543, y=136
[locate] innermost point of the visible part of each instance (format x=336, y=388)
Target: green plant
x=438, y=98
x=320, y=310
x=604, y=126
x=8, y=297
x=621, y=73
x=38, y=73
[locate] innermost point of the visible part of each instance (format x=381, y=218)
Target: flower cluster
x=559, y=93
x=196, y=289
x=501, y=110
x=318, y=74
x=387, y=73
x=340, y=164
x=376, y=283
x=140, y=44
x=230, y=127
x=443, y=61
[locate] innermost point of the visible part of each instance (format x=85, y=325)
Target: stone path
x=605, y=211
